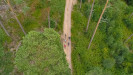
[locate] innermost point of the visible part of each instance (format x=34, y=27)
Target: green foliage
x=36, y=11
x=129, y=23
x=129, y=2
x=6, y=59
x=1, y=43
x=85, y=9
x=42, y=53
x=98, y=71
x=30, y=24
x=6, y=63
x=83, y=1
x=128, y=20
x=108, y=63
x=25, y=9
x=108, y=49
x=18, y=1
x=33, y=16
x=2, y=36
x=131, y=45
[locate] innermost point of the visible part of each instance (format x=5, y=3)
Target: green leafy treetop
x=99, y=71
x=42, y=54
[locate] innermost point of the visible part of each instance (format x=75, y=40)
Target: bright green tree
x=42, y=54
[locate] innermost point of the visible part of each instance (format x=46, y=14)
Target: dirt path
x=67, y=30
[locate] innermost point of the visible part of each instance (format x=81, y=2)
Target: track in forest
x=67, y=31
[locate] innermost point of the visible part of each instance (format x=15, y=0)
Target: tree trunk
x=98, y=24
x=49, y=17
x=4, y=29
x=129, y=37
x=89, y=1
x=18, y=46
x=56, y=24
x=16, y=17
x=131, y=15
x=90, y=15
x=80, y=3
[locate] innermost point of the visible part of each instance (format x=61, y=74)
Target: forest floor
x=67, y=30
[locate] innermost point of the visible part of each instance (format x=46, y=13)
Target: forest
x=33, y=39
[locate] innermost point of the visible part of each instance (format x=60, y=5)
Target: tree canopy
x=42, y=54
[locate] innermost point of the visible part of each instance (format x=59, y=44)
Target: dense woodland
x=110, y=52
x=30, y=42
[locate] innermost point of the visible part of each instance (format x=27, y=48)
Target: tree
x=131, y=45
x=4, y=28
x=98, y=23
x=129, y=2
x=89, y=1
x=49, y=17
x=95, y=71
x=108, y=63
x=80, y=3
x=90, y=15
x=42, y=54
x=2, y=36
x=129, y=37
x=18, y=1
x=48, y=4
x=6, y=60
x=98, y=71
x=8, y=3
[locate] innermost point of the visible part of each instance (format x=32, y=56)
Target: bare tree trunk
x=16, y=17
x=129, y=37
x=98, y=24
x=4, y=28
x=56, y=24
x=80, y=3
x=49, y=18
x=90, y=15
x=89, y=1
x=131, y=15
x=18, y=46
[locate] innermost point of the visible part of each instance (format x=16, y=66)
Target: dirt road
x=67, y=30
